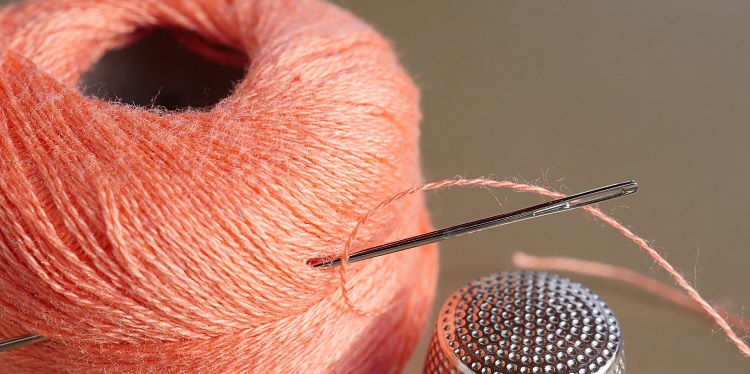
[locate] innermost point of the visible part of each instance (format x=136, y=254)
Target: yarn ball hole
x=166, y=69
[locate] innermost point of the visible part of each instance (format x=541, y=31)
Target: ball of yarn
x=144, y=240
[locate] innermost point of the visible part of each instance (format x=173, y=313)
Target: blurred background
x=579, y=94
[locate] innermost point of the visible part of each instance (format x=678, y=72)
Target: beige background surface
x=578, y=94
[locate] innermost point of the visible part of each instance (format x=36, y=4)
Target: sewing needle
x=19, y=342
x=543, y=209
x=555, y=206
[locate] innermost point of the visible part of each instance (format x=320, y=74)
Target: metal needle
x=554, y=206
x=19, y=342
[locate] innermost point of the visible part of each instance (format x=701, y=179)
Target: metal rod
x=554, y=206
x=19, y=342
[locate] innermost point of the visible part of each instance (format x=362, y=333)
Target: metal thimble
x=525, y=322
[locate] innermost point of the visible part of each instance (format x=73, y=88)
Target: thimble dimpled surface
x=525, y=322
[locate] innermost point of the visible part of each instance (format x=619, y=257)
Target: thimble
x=525, y=322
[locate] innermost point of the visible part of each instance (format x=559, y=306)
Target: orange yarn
x=618, y=273
x=693, y=298
x=140, y=240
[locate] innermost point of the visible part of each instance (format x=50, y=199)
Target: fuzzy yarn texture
x=139, y=240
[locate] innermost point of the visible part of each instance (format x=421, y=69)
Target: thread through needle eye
x=555, y=206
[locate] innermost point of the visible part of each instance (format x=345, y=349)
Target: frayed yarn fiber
x=140, y=240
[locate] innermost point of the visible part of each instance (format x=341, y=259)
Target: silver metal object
x=19, y=342
x=525, y=323
x=554, y=206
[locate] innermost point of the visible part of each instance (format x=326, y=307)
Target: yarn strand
x=139, y=239
x=618, y=273
x=521, y=187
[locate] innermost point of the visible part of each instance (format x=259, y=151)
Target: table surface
x=577, y=94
